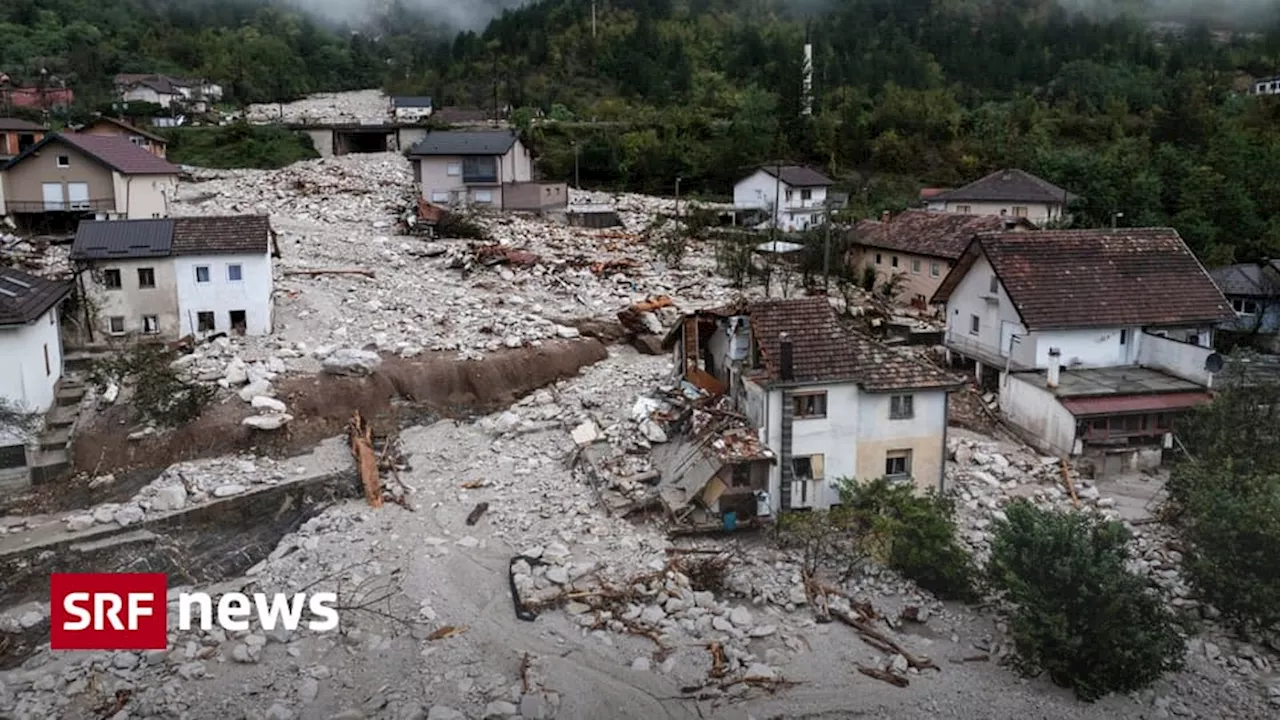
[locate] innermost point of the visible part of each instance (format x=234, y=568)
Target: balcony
x=107, y=205
x=970, y=346
x=480, y=178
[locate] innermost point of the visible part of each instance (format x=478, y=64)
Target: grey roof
x=798, y=175
x=1249, y=279
x=414, y=101
x=441, y=142
x=12, y=123
x=105, y=239
x=1008, y=185
x=196, y=235
x=25, y=297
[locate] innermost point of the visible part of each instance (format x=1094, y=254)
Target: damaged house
x=1096, y=338
x=825, y=402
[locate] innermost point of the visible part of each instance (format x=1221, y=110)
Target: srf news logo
x=129, y=611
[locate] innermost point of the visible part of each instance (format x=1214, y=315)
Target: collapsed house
x=824, y=403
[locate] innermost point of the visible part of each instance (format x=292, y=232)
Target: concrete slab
x=1123, y=380
x=1138, y=495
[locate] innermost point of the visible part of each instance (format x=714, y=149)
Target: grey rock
x=170, y=497
x=500, y=708
x=307, y=690
x=349, y=361
x=759, y=671
x=740, y=616
x=228, y=490
x=640, y=664
x=444, y=712
x=128, y=515
x=278, y=712
x=80, y=523
x=267, y=422
x=124, y=661
x=534, y=706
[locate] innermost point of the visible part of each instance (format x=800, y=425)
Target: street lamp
x=677, y=203
x=576, y=184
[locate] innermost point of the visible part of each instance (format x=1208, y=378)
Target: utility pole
x=826, y=251
x=677, y=206
x=576, y=184
x=593, y=19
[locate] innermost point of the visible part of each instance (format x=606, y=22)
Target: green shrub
x=915, y=535
x=159, y=394
x=1079, y=615
x=239, y=145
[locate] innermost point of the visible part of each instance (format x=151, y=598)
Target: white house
x=793, y=196
x=174, y=277
x=410, y=108
x=1095, y=337
x=30, y=343
x=1011, y=193
x=829, y=403
x=165, y=90
x=1267, y=86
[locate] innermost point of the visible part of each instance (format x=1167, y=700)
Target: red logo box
x=108, y=611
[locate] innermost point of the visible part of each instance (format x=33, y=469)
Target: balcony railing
x=479, y=177
x=971, y=346
x=72, y=206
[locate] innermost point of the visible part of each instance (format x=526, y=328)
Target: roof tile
x=25, y=297
x=923, y=232
x=117, y=152
x=1010, y=186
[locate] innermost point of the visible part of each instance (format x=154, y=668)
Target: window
x=975, y=325
x=204, y=322
x=893, y=261
x=1124, y=337
x=994, y=285
x=146, y=277
x=135, y=139
x=150, y=324
x=111, y=279
x=915, y=267
x=810, y=405
x=879, y=259
x=788, y=196
x=235, y=273
x=902, y=407
x=484, y=196
x=963, y=209
x=78, y=196
x=64, y=161
x=202, y=273
x=806, y=194
x=934, y=270
x=807, y=468
x=479, y=169
x=1244, y=307
x=155, y=216
x=741, y=475
x=439, y=197
x=115, y=325
x=897, y=463
x=454, y=169
x=1019, y=211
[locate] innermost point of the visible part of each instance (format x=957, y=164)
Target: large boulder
x=274, y=421
x=349, y=361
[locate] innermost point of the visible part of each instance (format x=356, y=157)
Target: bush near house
x=160, y=396
x=1079, y=615
x=239, y=145
x=1226, y=499
x=914, y=535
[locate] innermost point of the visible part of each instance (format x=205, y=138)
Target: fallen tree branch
x=880, y=641
x=884, y=675
x=360, y=437
x=331, y=271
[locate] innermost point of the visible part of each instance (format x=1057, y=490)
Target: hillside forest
x=1150, y=126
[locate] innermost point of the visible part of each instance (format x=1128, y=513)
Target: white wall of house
x=131, y=303
x=996, y=320
x=1037, y=411
x=1037, y=213
x=2, y=208
x=33, y=363
x=220, y=295
x=1186, y=360
x=794, y=211
x=412, y=113
x=146, y=196
x=855, y=438
x=1088, y=348
x=142, y=93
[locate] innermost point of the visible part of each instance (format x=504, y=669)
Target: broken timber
x=876, y=639
x=360, y=436
x=331, y=271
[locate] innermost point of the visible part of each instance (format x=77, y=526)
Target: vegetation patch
x=239, y=145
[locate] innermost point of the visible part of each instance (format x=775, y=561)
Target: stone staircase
x=52, y=459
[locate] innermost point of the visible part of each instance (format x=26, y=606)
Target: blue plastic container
x=730, y=520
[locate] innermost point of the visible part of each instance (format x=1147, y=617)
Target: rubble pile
x=35, y=255
x=184, y=485
x=357, y=106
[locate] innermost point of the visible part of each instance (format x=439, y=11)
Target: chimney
x=1055, y=367
x=884, y=216
x=786, y=360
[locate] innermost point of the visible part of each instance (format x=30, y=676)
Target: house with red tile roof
x=920, y=246
x=73, y=175
x=829, y=402
x=1005, y=193
x=1097, y=337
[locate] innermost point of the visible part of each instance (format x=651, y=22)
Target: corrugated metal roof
x=103, y=239
x=442, y=142
x=1122, y=404
x=25, y=297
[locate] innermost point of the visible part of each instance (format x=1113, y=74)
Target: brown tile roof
x=824, y=351
x=25, y=297
x=1008, y=185
x=922, y=232
x=116, y=152
x=1097, y=278
x=128, y=129
x=798, y=175
x=221, y=235
x=12, y=123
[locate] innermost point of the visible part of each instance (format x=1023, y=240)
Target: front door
x=78, y=195
x=52, y=194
